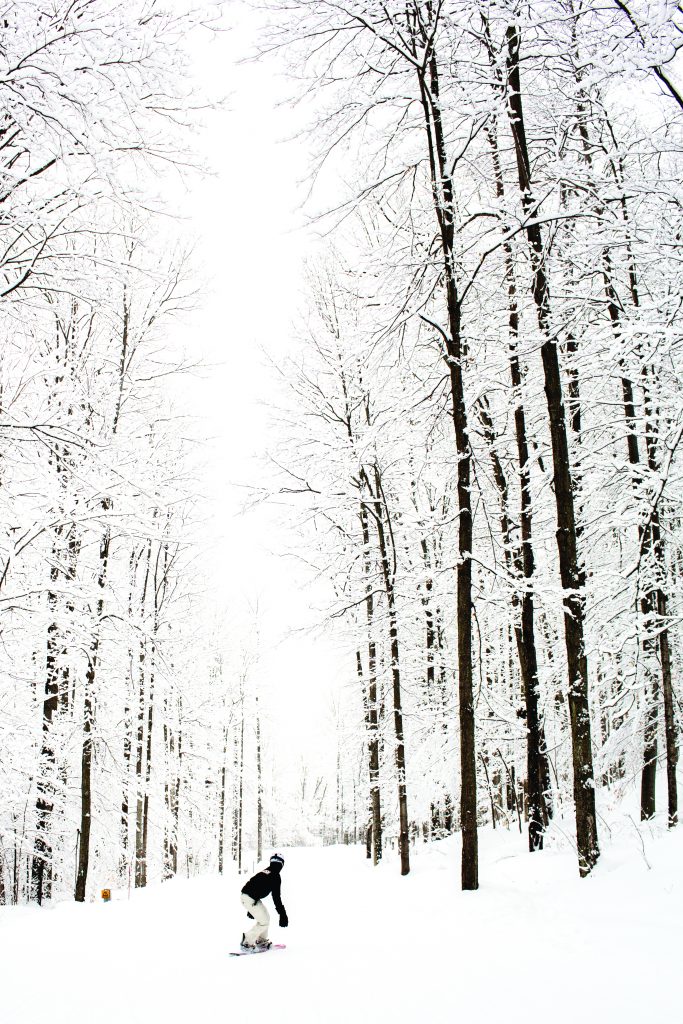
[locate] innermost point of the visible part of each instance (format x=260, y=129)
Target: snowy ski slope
x=368, y=946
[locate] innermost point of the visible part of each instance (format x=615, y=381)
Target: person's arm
x=278, y=902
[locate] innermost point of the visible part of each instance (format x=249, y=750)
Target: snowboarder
x=254, y=892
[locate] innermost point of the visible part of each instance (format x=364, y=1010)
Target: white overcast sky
x=251, y=241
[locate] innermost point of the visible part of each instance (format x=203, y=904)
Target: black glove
x=250, y=916
x=283, y=920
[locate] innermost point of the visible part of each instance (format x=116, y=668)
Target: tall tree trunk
x=443, y=199
x=371, y=702
x=259, y=788
x=669, y=718
x=167, y=792
x=41, y=863
x=238, y=805
x=86, y=780
x=88, y=721
x=67, y=680
x=170, y=785
x=658, y=605
x=429, y=621
x=538, y=768
x=175, y=792
x=571, y=573
x=144, y=720
x=221, y=810
x=140, y=879
x=148, y=773
x=124, y=865
x=381, y=514
x=240, y=818
x=235, y=793
x=523, y=612
x=127, y=749
x=3, y=888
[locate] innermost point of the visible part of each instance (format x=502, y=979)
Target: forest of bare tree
x=474, y=446
x=480, y=432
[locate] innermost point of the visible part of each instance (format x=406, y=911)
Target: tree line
x=481, y=428
x=123, y=714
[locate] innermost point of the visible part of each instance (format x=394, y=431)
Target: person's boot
x=246, y=946
x=263, y=943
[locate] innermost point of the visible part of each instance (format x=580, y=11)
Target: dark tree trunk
x=669, y=719
x=124, y=864
x=140, y=879
x=435, y=685
x=175, y=794
x=430, y=623
x=372, y=723
x=127, y=749
x=520, y=563
x=170, y=798
x=235, y=793
x=167, y=795
x=659, y=604
x=381, y=514
x=259, y=788
x=571, y=573
x=648, y=776
x=88, y=722
x=238, y=805
x=442, y=189
x=221, y=811
x=145, y=725
x=650, y=540
x=41, y=863
x=140, y=764
x=86, y=782
x=148, y=773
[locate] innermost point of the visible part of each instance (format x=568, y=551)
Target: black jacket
x=263, y=884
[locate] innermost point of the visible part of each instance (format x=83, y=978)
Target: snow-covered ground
x=365, y=945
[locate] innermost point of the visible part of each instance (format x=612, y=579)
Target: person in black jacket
x=260, y=885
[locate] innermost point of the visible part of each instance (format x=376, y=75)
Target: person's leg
x=259, y=930
x=248, y=903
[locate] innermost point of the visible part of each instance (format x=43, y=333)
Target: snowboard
x=251, y=952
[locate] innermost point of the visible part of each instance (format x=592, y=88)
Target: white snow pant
x=258, y=911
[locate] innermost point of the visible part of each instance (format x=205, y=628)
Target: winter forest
x=341, y=500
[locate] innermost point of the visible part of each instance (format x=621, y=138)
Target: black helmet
x=277, y=862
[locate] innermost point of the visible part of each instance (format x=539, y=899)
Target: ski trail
x=365, y=945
